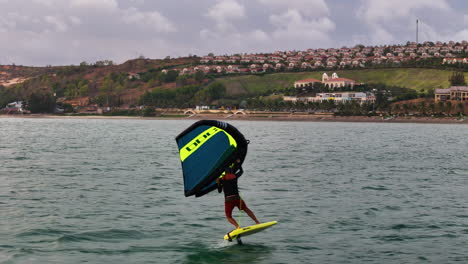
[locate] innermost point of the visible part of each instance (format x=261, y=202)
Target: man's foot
x=257, y=222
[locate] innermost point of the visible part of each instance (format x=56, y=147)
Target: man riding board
x=228, y=184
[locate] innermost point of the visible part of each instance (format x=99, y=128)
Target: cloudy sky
x=63, y=32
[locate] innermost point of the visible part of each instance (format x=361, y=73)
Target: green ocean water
x=110, y=191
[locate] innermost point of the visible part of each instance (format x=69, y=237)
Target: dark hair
x=229, y=170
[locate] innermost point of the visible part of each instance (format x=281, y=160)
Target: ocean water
x=110, y=191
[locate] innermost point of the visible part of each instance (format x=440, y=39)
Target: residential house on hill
x=305, y=83
x=457, y=93
x=336, y=82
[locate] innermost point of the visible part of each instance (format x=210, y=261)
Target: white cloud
x=293, y=20
x=75, y=20
x=300, y=23
x=381, y=36
x=259, y=35
x=153, y=20
x=294, y=27
x=224, y=12
x=394, y=21
x=373, y=11
x=59, y=25
x=226, y=9
x=95, y=4
x=307, y=7
x=461, y=35
x=44, y=2
x=14, y=20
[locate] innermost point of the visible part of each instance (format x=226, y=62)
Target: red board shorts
x=229, y=206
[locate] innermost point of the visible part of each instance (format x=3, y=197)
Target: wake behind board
x=248, y=230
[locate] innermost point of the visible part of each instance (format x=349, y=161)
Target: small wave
x=195, y=225
x=401, y=226
x=392, y=207
x=42, y=232
x=168, y=224
x=375, y=188
x=107, y=235
x=393, y=238
x=130, y=250
x=448, y=235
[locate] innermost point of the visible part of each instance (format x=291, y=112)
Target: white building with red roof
x=458, y=93
x=305, y=83
x=335, y=81
x=454, y=60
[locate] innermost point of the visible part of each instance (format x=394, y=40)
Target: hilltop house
x=305, y=83
x=458, y=93
x=335, y=81
x=15, y=107
x=454, y=60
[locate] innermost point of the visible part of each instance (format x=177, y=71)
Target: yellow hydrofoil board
x=248, y=230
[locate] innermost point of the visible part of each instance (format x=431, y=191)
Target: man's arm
x=220, y=185
x=239, y=171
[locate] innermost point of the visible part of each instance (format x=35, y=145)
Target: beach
x=264, y=117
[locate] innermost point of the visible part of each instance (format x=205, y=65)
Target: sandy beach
x=272, y=117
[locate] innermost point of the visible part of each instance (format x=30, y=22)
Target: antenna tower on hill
x=417, y=21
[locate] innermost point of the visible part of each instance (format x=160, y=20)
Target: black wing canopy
x=206, y=148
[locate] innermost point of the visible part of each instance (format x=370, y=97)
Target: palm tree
x=422, y=107
x=405, y=107
x=448, y=106
x=432, y=107
x=461, y=107
x=440, y=106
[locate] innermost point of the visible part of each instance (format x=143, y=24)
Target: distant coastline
x=272, y=117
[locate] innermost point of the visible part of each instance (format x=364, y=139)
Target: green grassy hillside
x=414, y=78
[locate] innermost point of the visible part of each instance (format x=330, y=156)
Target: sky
x=66, y=32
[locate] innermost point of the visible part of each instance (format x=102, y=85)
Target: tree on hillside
x=461, y=108
x=440, y=106
x=432, y=106
x=107, y=88
x=199, y=76
x=212, y=92
x=448, y=107
x=457, y=79
x=422, y=108
x=170, y=76
x=182, y=80
x=119, y=90
x=6, y=96
x=77, y=87
x=41, y=103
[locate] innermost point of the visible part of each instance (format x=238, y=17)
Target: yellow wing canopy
x=206, y=148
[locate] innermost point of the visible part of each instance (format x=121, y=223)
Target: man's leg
x=249, y=212
x=232, y=221
x=228, y=207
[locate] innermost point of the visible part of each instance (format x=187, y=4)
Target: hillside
x=83, y=81
x=89, y=81
x=414, y=78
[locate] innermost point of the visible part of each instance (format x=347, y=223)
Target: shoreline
x=283, y=118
